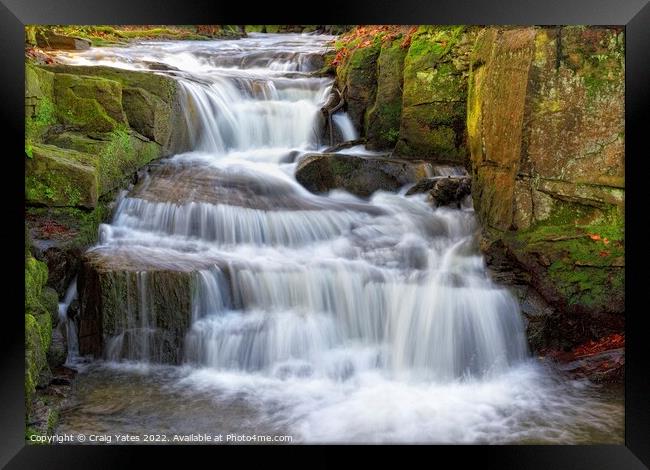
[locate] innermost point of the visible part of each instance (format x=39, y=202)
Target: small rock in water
x=443, y=191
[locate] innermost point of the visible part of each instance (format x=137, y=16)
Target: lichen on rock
x=435, y=90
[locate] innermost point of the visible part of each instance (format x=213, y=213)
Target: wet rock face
x=407, y=91
x=139, y=315
x=359, y=175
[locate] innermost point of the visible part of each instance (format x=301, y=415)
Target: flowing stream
x=329, y=318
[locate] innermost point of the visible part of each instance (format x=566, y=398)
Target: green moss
x=383, y=118
x=361, y=65
x=52, y=421
x=44, y=321
x=91, y=104
x=43, y=118
x=586, y=261
x=122, y=155
x=29, y=432
x=35, y=279
x=162, y=86
x=118, y=149
x=435, y=94
x=35, y=358
x=255, y=28
x=60, y=177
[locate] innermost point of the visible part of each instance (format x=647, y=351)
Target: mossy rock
x=90, y=104
x=160, y=85
x=122, y=155
x=115, y=155
x=148, y=114
x=383, y=118
x=39, y=83
x=358, y=77
x=40, y=112
x=147, y=102
x=435, y=92
x=434, y=131
x=255, y=28
x=60, y=177
x=581, y=268
x=36, y=344
x=35, y=279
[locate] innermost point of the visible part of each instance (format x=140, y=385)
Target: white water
x=343, y=319
x=68, y=325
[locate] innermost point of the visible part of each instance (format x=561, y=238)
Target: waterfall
x=330, y=317
x=68, y=325
x=298, y=282
x=345, y=126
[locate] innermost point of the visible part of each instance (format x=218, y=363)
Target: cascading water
x=337, y=318
x=68, y=326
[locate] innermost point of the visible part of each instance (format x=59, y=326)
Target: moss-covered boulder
x=39, y=103
x=88, y=129
x=359, y=175
x=89, y=104
x=149, y=100
x=132, y=313
x=60, y=177
x=116, y=155
x=148, y=114
x=435, y=91
x=383, y=120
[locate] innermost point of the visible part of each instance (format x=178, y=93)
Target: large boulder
x=60, y=177
x=360, y=175
x=150, y=100
x=88, y=129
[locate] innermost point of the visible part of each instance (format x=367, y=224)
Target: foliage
x=365, y=36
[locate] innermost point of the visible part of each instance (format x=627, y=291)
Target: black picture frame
x=634, y=14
